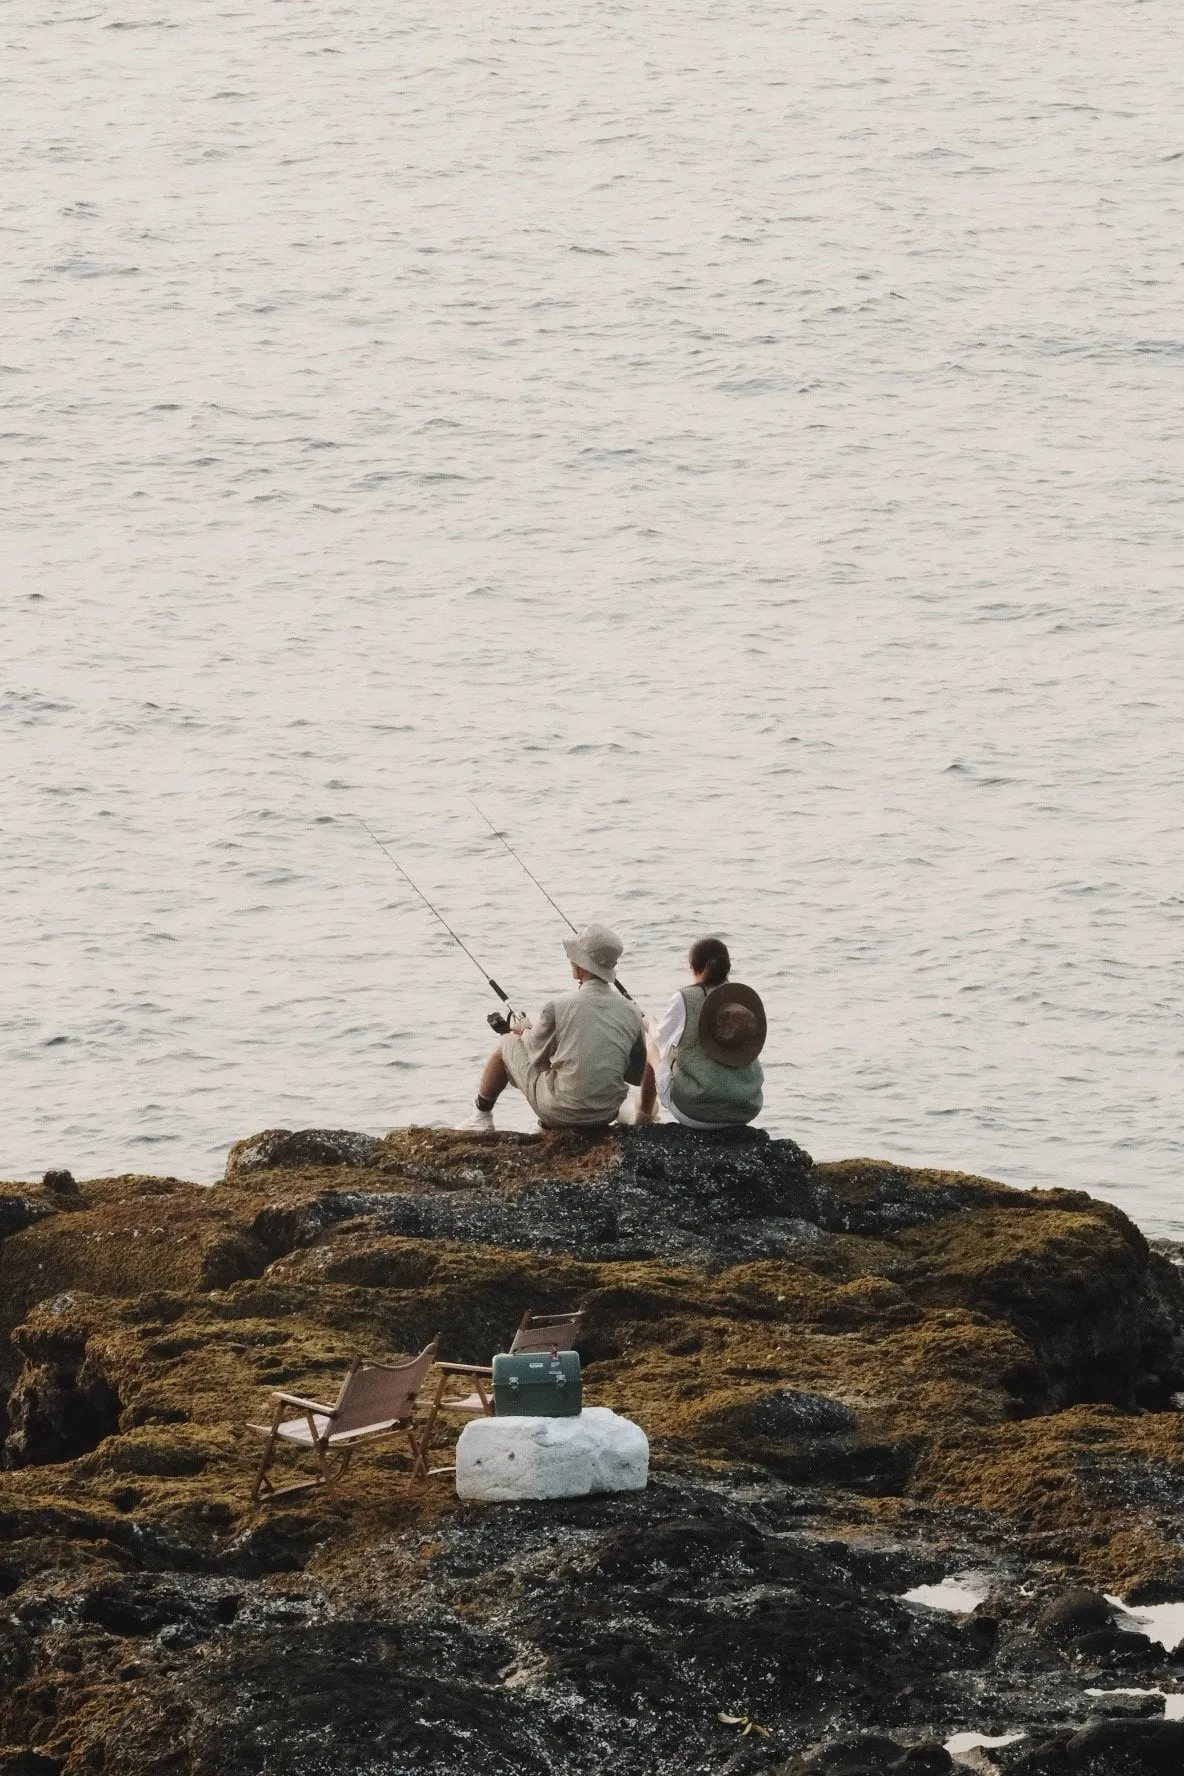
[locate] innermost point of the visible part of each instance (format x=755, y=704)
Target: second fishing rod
x=497, y=1021
x=506, y=845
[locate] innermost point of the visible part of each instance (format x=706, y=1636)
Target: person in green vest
x=701, y=1061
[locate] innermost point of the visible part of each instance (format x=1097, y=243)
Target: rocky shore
x=857, y=1379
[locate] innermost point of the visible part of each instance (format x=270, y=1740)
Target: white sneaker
x=631, y=1114
x=479, y=1122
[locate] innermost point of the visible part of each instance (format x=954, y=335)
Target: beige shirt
x=580, y=1043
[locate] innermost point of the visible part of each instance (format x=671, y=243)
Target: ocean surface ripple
x=739, y=445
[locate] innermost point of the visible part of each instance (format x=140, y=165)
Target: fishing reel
x=498, y=1021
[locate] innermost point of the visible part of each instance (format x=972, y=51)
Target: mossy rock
x=876, y=1354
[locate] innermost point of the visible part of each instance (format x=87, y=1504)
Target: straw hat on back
x=732, y=1025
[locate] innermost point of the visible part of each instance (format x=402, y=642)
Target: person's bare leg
x=494, y=1080
x=649, y=1091
x=649, y=1079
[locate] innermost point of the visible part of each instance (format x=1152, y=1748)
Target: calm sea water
x=738, y=444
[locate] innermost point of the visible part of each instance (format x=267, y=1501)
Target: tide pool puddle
x=970, y=1741
x=961, y=1594
x=1163, y=1622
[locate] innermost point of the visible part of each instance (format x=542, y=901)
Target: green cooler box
x=537, y=1384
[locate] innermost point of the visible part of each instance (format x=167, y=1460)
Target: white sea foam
x=1163, y=1622
x=961, y=1742
x=949, y=1595
x=738, y=444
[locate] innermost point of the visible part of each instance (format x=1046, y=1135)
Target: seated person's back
x=582, y=1042
x=702, y=1053
x=572, y=1062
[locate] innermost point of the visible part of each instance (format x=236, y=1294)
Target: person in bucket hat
x=596, y=950
x=701, y=1063
x=571, y=1063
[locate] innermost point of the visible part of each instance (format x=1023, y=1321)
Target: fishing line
x=502, y=840
x=622, y=989
x=437, y=914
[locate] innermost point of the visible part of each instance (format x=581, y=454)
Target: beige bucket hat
x=597, y=949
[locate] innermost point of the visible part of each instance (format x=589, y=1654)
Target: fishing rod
x=495, y=1020
x=622, y=989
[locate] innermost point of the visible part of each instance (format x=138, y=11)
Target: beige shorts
x=524, y=1072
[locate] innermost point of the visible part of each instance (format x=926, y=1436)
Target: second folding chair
x=535, y=1332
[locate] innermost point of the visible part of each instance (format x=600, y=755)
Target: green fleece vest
x=705, y=1089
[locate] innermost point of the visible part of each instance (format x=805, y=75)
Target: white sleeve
x=667, y=1032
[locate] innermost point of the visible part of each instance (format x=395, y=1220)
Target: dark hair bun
x=709, y=955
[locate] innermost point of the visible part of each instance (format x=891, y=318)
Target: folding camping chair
x=376, y=1400
x=535, y=1332
x=547, y=1332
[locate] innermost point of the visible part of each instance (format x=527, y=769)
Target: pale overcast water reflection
x=739, y=444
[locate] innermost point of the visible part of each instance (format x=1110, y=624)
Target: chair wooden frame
x=376, y=1400
x=478, y=1404
x=534, y=1332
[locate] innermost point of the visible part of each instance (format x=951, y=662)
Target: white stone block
x=541, y=1458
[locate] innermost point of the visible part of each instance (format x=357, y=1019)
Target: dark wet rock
x=810, y=1439
x=1129, y=1706
x=62, y=1404
x=25, y=1760
x=144, y=1603
x=62, y=1183
x=1075, y=1613
x=867, y=1196
x=353, y=1695
x=882, y=1470
x=1168, y=1588
x=17, y=1656
x=642, y=1193
x=294, y=1150
x=18, y=1211
x=667, y=1630
x=873, y=1754
x=1118, y=1652
x=1085, y=1624
x=1106, y=1748
x=789, y=1413
x=275, y=1544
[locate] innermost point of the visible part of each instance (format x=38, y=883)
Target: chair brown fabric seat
x=376, y=1400
x=296, y=1430
x=547, y=1332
